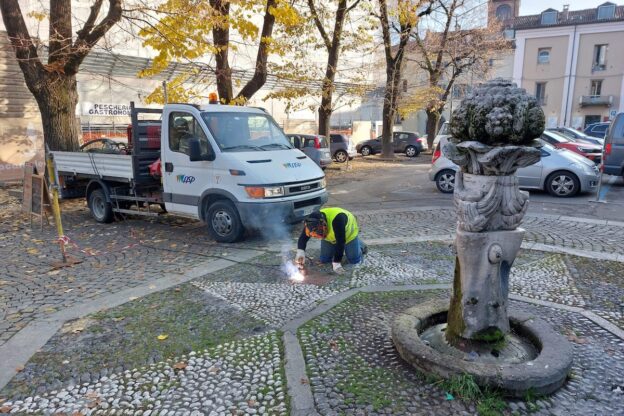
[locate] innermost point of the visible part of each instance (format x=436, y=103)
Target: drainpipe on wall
x=565, y=114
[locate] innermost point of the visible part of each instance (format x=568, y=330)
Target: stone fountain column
x=489, y=210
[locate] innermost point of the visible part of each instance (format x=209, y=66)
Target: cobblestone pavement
x=352, y=366
x=113, y=257
x=233, y=378
x=559, y=232
x=355, y=369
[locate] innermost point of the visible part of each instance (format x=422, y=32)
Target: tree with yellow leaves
x=196, y=30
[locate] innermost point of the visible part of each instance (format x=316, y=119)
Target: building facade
x=572, y=61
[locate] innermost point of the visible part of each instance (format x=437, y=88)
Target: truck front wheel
x=224, y=223
x=101, y=210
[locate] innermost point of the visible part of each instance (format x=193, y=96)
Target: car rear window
x=600, y=128
x=309, y=141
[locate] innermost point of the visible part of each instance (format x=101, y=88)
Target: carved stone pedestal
x=478, y=307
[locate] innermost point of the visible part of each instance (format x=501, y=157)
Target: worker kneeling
x=338, y=230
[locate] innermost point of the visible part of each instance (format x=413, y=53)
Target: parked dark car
x=404, y=142
x=613, y=163
x=314, y=146
x=576, y=135
x=597, y=129
x=341, y=147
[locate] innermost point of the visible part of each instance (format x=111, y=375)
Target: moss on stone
x=455, y=319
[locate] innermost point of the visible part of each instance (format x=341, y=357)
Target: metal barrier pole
x=56, y=210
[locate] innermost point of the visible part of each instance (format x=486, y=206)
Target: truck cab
x=229, y=166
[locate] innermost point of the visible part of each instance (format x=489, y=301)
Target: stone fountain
x=494, y=133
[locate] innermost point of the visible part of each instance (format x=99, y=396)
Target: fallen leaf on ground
x=5, y=409
x=180, y=366
x=162, y=337
x=19, y=368
x=53, y=272
x=92, y=395
x=133, y=297
x=152, y=286
x=32, y=251
x=121, y=318
x=304, y=380
x=177, y=289
x=252, y=403
x=78, y=329
x=214, y=370
x=577, y=340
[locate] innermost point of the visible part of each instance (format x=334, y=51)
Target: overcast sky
x=537, y=6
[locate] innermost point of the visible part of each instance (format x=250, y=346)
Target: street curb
x=23, y=345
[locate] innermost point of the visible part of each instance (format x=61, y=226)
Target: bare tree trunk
x=433, y=120
x=221, y=39
x=387, y=144
x=57, y=102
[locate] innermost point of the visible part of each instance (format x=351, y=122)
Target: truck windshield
x=245, y=132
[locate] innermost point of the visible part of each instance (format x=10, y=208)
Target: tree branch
x=319, y=25
x=85, y=43
x=25, y=49
x=260, y=73
x=90, y=23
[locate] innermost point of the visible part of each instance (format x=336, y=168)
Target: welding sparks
x=292, y=271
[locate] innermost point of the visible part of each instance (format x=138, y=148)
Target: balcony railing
x=596, y=100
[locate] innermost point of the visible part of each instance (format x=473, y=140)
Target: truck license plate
x=307, y=211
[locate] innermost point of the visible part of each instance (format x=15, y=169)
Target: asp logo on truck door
x=185, y=179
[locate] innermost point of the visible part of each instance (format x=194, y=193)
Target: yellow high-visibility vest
x=352, y=227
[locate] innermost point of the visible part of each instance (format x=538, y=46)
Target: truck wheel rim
x=98, y=207
x=365, y=151
x=410, y=151
x=341, y=157
x=562, y=185
x=447, y=182
x=222, y=223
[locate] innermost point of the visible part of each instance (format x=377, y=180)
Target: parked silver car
x=560, y=172
x=314, y=146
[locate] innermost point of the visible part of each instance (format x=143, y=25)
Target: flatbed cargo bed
x=95, y=165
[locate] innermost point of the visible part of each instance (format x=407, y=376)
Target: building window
x=606, y=11
x=540, y=92
x=549, y=17
x=596, y=87
x=600, y=58
x=543, y=55
x=503, y=12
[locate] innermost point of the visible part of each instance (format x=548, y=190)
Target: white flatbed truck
x=229, y=166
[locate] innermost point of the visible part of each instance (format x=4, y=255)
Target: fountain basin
x=541, y=374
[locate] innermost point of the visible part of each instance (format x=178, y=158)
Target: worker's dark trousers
x=353, y=251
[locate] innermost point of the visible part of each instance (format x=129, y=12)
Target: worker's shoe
x=364, y=248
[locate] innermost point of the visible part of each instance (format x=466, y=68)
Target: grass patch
x=126, y=337
x=489, y=402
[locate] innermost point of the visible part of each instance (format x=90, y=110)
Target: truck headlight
x=323, y=183
x=273, y=191
x=258, y=192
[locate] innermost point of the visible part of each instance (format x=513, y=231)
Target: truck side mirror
x=195, y=151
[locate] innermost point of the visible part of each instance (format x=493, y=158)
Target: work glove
x=300, y=257
x=338, y=269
